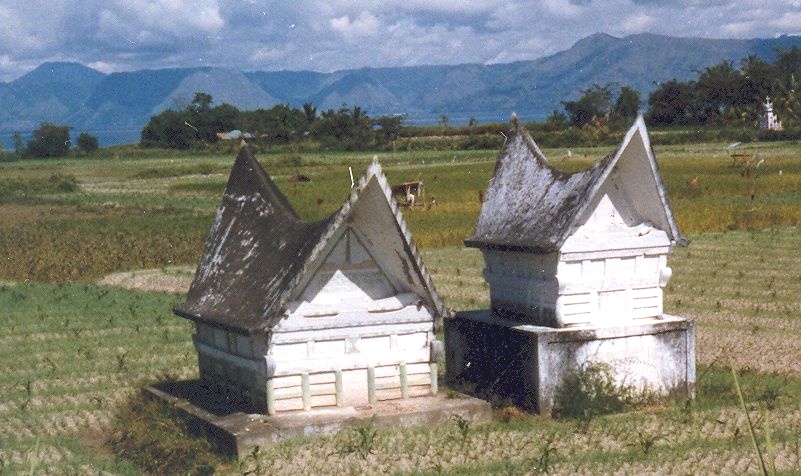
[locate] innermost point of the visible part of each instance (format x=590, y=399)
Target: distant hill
x=89, y=100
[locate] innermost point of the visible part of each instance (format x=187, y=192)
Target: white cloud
x=635, y=23
x=562, y=8
x=14, y=36
x=178, y=17
x=267, y=55
x=366, y=24
x=790, y=22
x=327, y=35
x=105, y=67
x=739, y=29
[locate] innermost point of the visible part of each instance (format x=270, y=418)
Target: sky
x=126, y=35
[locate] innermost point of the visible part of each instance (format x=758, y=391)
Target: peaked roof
x=259, y=251
x=531, y=206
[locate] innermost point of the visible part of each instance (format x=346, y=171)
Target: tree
x=19, y=144
x=390, y=127
x=310, y=112
x=787, y=92
x=788, y=61
x=557, y=121
x=595, y=103
x=627, y=104
x=87, y=143
x=718, y=91
x=201, y=102
x=49, y=140
x=351, y=128
x=672, y=103
x=168, y=129
x=757, y=83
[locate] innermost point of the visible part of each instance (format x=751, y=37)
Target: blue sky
x=124, y=35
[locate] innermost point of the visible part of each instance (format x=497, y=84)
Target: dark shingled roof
x=256, y=246
x=258, y=249
x=531, y=206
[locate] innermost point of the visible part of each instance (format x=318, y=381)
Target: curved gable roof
x=256, y=246
x=531, y=206
x=259, y=251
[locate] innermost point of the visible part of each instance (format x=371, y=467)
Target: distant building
x=234, y=134
x=769, y=121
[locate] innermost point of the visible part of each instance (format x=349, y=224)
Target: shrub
x=11, y=189
x=590, y=391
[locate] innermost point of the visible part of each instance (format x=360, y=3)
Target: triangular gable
x=349, y=279
x=372, y=213
x=637, y=171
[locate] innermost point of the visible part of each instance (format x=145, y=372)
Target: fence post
x=270, y=397
x=404, y=381
x=304, y=383
x=339, y=394
x=434, y=382
x=371, y=397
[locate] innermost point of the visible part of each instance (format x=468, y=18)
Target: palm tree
x=787, y=100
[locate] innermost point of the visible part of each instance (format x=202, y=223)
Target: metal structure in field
x=292, y=315
x=576, y=264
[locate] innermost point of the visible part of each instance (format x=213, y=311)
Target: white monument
x=291, y=315
x=768, y=121
x=576, y=264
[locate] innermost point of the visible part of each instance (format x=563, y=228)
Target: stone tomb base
x=235, y=433
x=506, y=360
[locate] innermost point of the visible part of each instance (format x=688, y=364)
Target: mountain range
x=120, y=104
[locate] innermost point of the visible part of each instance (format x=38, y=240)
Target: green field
x=74, y=351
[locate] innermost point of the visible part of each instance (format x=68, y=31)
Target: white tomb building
x=291, y=315
x=576, y=264
x=768, y=121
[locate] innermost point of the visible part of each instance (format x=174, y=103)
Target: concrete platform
x=499, y=359
x=235, y=432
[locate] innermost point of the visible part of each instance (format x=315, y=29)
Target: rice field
x=88, y=277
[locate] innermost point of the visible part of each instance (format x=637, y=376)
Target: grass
x=73, y=353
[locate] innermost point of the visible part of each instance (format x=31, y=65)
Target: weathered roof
x=259, y=251
x=531, y=206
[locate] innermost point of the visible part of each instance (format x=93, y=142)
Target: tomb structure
x=768, y=121
x=293, y=315
x=576, y=265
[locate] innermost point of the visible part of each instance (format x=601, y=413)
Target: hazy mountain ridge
x=89, y=100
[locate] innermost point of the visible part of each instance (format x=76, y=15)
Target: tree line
x=599, y=106
x=724, y=95
x=721, y=96
x=199, y=123
x=51, y=140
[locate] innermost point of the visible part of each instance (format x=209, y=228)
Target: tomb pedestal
x=488, y=355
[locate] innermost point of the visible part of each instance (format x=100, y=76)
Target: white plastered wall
x=613, y=266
